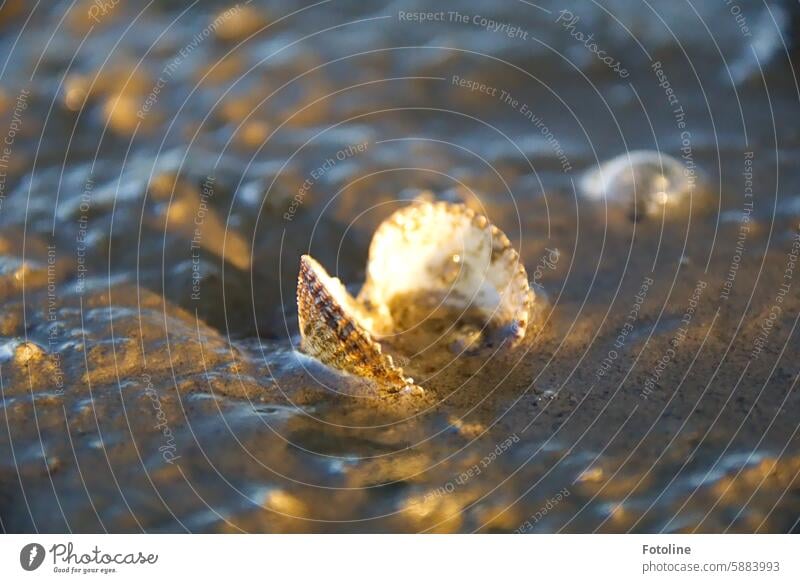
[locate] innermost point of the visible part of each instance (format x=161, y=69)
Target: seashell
x=646, y=183
x=440, y=254
x=452, y=254
x=331, y=331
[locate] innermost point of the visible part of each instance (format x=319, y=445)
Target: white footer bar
x=389, y=558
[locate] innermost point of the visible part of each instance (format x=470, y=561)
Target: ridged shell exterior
x=330, y=332
x=450, y=250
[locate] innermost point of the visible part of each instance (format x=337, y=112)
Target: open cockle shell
x=440, y=254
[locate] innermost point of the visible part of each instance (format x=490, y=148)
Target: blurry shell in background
x=647, y=184
x=442, y=251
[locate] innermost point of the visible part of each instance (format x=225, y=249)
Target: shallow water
x=165, y=169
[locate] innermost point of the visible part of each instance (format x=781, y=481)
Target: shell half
x=453, y=255
x=331, y=332
x=439, y=253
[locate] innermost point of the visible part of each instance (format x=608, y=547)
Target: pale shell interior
x=448, y=251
